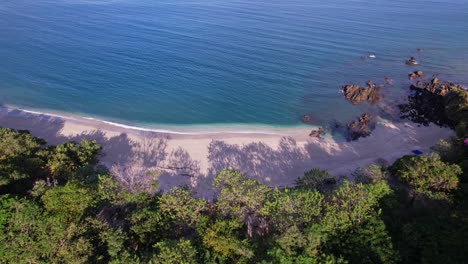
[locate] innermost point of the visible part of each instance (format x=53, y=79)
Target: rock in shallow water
x=362, y=128
x=357, y=94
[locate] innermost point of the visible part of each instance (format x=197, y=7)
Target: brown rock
x=429, y=102
x=317, y=133
x=361, y=128
x=357, y=94
x=306, y=118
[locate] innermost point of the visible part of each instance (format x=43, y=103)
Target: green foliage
x=427, y=175
x=456, y=109
x=452, y=150
x=181, y=210
x=369, y=242
x=316, y=179
x=147, y=225
x=175, y=252
x=241, y=198
x=19, y=157
x=352, y=204
x=223, y=238
x=371, y=174
x=73, y=211
x=31, y=236
x=68, y=157
x=238, y=194
x=435, y=237
x=68, y=202
x=297, y=207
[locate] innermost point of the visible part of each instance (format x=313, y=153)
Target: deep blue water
x=152, y=62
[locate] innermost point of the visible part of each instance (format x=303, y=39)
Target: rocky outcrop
x=415, y=75
x=357, y=94
x=360, y=128
x=442, y=103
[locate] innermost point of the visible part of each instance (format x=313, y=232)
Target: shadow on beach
x=130, y=158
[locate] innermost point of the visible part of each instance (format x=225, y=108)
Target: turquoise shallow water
x=184, y=62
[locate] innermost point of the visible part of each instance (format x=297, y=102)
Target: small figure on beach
x=412, y=61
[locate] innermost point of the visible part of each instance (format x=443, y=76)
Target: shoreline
x=194, y=158
x=192, y=129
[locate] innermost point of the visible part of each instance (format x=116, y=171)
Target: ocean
x=154, y=63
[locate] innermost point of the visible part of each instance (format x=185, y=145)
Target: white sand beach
x=275, y=159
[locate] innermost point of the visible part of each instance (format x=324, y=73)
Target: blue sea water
x=185, y=62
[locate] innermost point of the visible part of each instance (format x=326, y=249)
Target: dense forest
x=59, y=205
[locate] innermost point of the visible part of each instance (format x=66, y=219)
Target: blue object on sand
x=417, y=152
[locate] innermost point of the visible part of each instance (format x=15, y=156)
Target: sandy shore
x=275, y=158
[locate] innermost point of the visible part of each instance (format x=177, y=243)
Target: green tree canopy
x=427, y=174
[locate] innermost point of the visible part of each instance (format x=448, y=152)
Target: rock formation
x=357, y=94
x=442, y=103
x=361, y=128
x=317, y=133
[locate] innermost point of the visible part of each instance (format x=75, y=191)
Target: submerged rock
x=306, y=119
x=415, y=75
x=360, y=128
x=357, y=94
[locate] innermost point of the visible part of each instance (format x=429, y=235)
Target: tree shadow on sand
x=282, y=165
x=128, y=159
x=258, y=160
x=131, y=157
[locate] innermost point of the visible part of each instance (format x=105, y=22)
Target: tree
x=29, y=235
x=371, y=174
x=68, y=202
x=18, y=155
x=428, y=175
x=316, y=179
x=368, y=242
x=223, y=237
x=66, y=158
x=180, y=210
x=175, y=252
x=297, y=207
x=241, y=198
